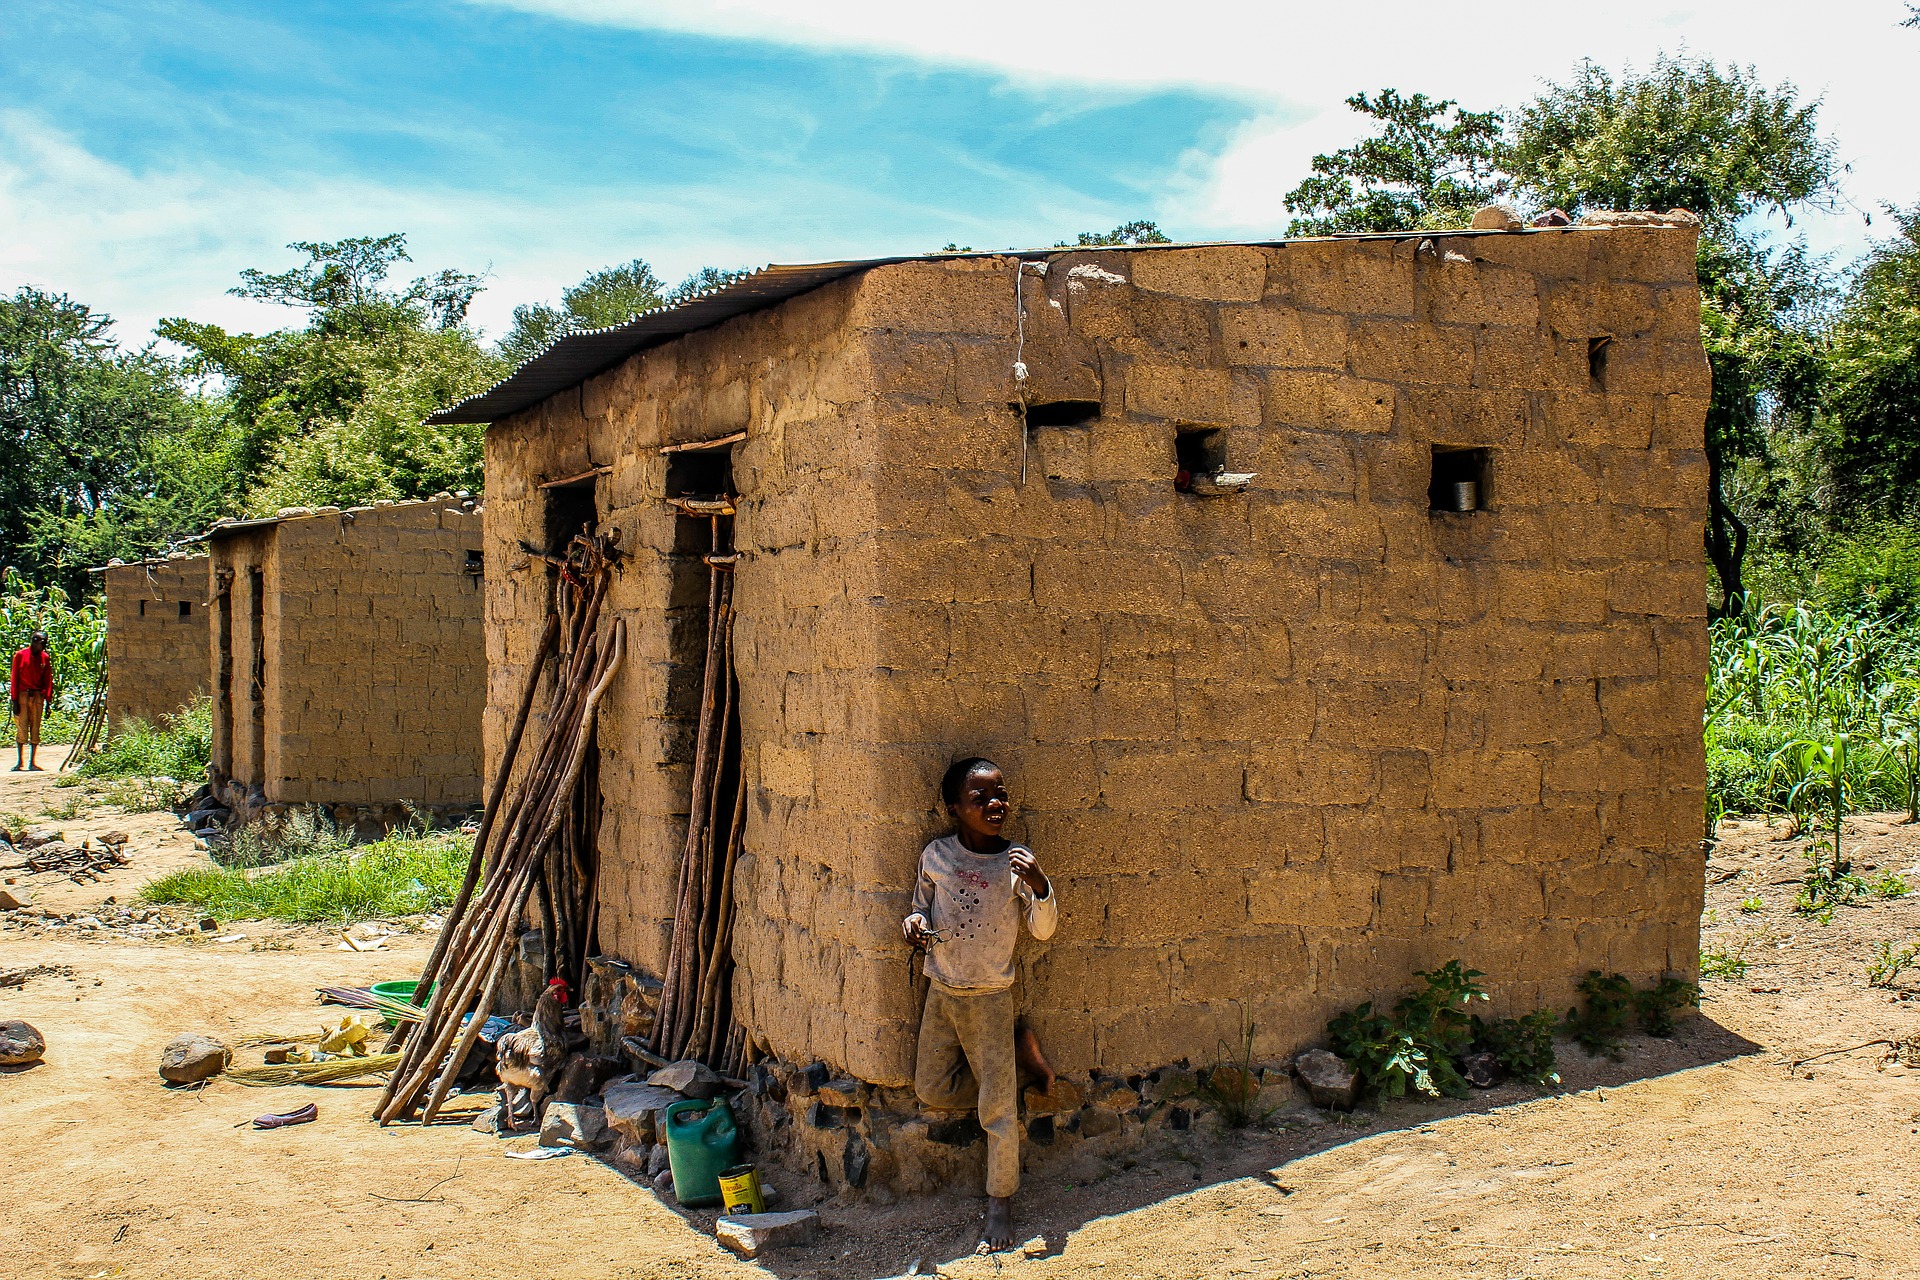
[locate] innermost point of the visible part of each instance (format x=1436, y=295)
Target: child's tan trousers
x=965, y=1062
x=26, y=725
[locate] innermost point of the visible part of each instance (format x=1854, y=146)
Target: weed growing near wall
x=405, y=874
x=176, y=746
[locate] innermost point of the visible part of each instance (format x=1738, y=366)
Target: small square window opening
x=186, y=608
x=1198, y=453
x=1461, y=479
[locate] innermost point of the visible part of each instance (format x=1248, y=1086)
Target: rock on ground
x=20, y=1043
x=1330, y=1081
x=191, y=1058
x=694, y=1079
x=751, y=1234
x=637, y=1110
x=576, y=1125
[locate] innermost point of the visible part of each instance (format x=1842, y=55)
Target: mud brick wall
x=243, y=645
x=157, y=657
x=374, y=650
x=1277, y=748
x=797, y=380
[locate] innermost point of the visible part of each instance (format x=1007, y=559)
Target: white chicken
x=529, y=1062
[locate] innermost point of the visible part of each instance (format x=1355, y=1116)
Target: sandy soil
x=1772, y=1137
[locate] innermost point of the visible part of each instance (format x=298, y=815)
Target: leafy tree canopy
x=333, y=412
x=89, y=432
x=1419, y=169
x=1139, y=231
x=1686, y=135
x=612, y=295
x=1873, y=380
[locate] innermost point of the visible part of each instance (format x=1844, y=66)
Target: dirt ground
x=1772, y=1137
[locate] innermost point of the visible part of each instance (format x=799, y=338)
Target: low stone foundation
x=856, y=1137
x=243, y=805
x=852, y=1137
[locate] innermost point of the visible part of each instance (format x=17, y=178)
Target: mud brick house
x=347, y=657
x=156, y=636
x=1336, y=607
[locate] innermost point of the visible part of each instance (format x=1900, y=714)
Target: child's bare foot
x=998, y=1233
x=1027, y=1057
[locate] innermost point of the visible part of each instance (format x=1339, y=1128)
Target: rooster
x=529, y=1062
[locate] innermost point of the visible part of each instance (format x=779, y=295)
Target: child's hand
x=1027, y=867
x=916, y=929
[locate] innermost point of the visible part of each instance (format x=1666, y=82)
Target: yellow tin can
x=740, y=1190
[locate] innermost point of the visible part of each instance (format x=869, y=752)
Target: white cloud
x=1298, y=61
x=142, y=245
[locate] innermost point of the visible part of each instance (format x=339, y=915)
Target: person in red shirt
x=31, y=689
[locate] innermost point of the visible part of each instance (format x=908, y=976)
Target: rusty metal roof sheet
x=572, y=359
x=576, y=357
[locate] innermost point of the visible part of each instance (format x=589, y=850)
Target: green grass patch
x=177, y=746
x=404, y=874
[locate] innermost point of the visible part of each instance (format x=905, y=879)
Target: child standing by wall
x=972, y=891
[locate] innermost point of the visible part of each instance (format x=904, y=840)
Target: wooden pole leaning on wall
x=528, y=821
x=694, y=1020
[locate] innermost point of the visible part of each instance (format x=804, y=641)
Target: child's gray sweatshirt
x=976, y=902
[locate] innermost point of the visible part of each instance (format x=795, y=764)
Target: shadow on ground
x=875, y=1238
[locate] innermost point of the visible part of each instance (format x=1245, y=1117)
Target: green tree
x=91, y=431
x=333, y=412
x=705, y=280
x=1419, y=169
x=1723, y=145
x=1139, y=231
x=1872, y=391
x=609, y=296
x=1686, y=135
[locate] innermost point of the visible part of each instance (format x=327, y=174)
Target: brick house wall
x=157, y=659
x=348, y=655
x=1278, y=748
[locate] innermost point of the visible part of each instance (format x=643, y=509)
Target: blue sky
x=149, y=151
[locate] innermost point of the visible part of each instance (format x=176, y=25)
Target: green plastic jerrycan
x=702, y=1141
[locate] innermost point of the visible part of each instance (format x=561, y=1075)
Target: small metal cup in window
x=1466, y=495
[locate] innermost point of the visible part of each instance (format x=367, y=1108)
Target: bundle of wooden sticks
x=541, y=841
x=695, y=1018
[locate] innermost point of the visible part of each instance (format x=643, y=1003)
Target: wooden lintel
x=702, y=507
x=691, y=445
x=588, y=474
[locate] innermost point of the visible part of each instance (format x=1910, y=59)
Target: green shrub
x=1419, y=1045
x=178, y=747
x=303, y=833
x=1599, y=1026
x=1522, y=1046
x=1657, y=1004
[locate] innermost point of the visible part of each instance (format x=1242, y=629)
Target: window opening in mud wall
x=223, y=725
x=1062, y=413
x=1198, y=453
x=257, y=677
x=571, y=511
x=186, y=608
x=1461, y=480
x=1597, y=348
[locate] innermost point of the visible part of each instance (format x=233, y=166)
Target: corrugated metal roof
x=576, y=357
x=579, y=356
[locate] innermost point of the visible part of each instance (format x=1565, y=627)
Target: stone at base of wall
x=862, y=1139
x=362, y=821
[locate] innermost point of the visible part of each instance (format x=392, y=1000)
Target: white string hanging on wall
x=1020, y=358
